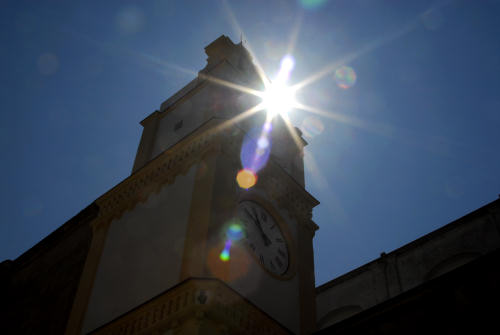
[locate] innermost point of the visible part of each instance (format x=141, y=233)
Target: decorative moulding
x=198, y=302
x=210, y=138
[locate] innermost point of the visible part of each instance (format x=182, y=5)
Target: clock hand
x=256, y=216
x=250, y=215
x=255, y=219
x=266, y=239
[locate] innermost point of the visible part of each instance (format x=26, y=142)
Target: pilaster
x=307, y=282
x=82, y=296
x=145, y=148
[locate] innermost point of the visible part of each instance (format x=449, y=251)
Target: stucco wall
x=142, y=253
x=209, y=100
x=191, y=113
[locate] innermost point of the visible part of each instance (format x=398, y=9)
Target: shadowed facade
x=144, y=258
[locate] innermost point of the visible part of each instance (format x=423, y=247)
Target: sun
x=278, y=99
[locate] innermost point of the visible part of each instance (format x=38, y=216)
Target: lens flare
x=345, y=77
x=268, y=126
x=224, y=255
x=246, y=178
x=254, y=156
x=228, y=264
x=287, y=64
x=312, y=4
x=278, y=99
x=130, y=20
x=262, y=142
x=312, y=127
x=234, y=232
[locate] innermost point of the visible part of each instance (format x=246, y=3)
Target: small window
x=178, y=125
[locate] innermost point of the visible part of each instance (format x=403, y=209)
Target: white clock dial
x=264, y=237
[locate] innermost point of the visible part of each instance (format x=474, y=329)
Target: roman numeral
x=281, y=253
x=261, y=259
x=278, y=261
x=279, y=240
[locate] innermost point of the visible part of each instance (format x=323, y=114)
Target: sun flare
x=278, y=99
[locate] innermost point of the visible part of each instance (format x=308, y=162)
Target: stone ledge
x=195, y=306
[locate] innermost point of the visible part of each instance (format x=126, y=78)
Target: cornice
x=160, y=171
x=215, y=136
x=293, y=197
x=193, y=301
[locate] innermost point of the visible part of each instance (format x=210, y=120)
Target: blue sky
x=415, y=146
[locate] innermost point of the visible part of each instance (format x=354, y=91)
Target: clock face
x=264, y=237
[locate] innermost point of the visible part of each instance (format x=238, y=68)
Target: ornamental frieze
x=204, y=303
x=211, y=138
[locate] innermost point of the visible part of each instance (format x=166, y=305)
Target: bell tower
x=179, y=247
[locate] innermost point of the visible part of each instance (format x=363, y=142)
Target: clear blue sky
x=416, y=148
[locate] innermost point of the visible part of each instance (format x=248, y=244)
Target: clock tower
x=179, y=247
